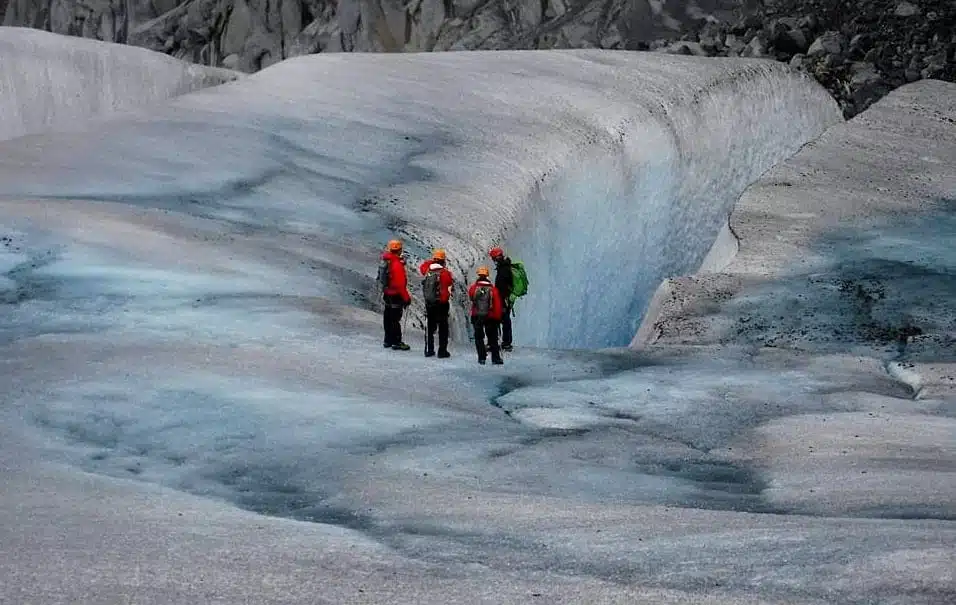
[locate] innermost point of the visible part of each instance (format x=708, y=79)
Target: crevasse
x=619, y=218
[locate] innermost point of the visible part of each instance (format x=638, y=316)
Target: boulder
x=907, y=9
x=864, y=74
x=829, y=43
x=787, y=39
x=231, y=62
x=734, y=44
x=756, y=49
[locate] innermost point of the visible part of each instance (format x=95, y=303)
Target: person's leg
x=506, y=328
x=442, y=321
x=387, y=326
x=399, y=343
x=480, y=339
x=393, y=321
x=431, y=321
x=388, y=316
x=491, y=328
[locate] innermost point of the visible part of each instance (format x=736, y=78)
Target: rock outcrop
x=859, y=50
x=251, y=34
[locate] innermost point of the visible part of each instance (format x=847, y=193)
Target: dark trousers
x=392, y=319
x=437, y=320
x=506, y=325
x=486, y=329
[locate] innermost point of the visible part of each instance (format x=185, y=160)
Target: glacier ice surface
x=191, y=290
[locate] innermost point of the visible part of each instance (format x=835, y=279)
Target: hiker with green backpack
x=511, y=281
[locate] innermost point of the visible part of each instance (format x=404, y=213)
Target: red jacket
x=496, y=307
x=445, y=281
x=397, y=278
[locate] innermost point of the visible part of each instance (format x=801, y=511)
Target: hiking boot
x=508, y=348
x=401, y=347
x=429, y=353
x=387, y=345
x=497, y=361
x=481, y=361
x=444, y=354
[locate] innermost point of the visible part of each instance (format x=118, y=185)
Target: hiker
x=486, y=312
x=504, y=281
x=436, y=289
x=394, y=281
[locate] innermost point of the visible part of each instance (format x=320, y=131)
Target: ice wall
x=605, y=171
x=601, y=234
x=49, y=81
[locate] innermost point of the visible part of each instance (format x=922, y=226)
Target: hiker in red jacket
x=436, y=288
x=394, y=281
x=486, y=310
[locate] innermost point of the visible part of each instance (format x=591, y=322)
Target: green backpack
x=519, y=281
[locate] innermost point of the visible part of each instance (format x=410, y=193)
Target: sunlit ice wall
x=599, y=237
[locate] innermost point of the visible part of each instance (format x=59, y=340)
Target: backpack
x=483, y=301
x=431, y=286
x=519, y=281
x=384, y=273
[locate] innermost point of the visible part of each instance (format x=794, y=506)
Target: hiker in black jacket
x=503, y=283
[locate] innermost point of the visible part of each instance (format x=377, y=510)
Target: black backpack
x=483, y=301
x=384, y=273
x=431, y=287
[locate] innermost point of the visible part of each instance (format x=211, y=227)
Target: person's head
x=395, y=246
x=438, y=255
x=483, y=272
x=496, y=254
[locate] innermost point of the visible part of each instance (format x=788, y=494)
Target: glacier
x=196, y=404
x=622, y=130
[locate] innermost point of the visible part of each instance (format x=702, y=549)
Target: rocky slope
x=251, y=34
x=859, y=49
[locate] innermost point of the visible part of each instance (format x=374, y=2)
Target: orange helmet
x=438, y=254
x=496, y=252
x=483, y=272
x=395, y=245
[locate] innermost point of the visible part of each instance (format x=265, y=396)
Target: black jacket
x=504, y=278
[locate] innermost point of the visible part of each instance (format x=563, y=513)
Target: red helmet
x=496, y=252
